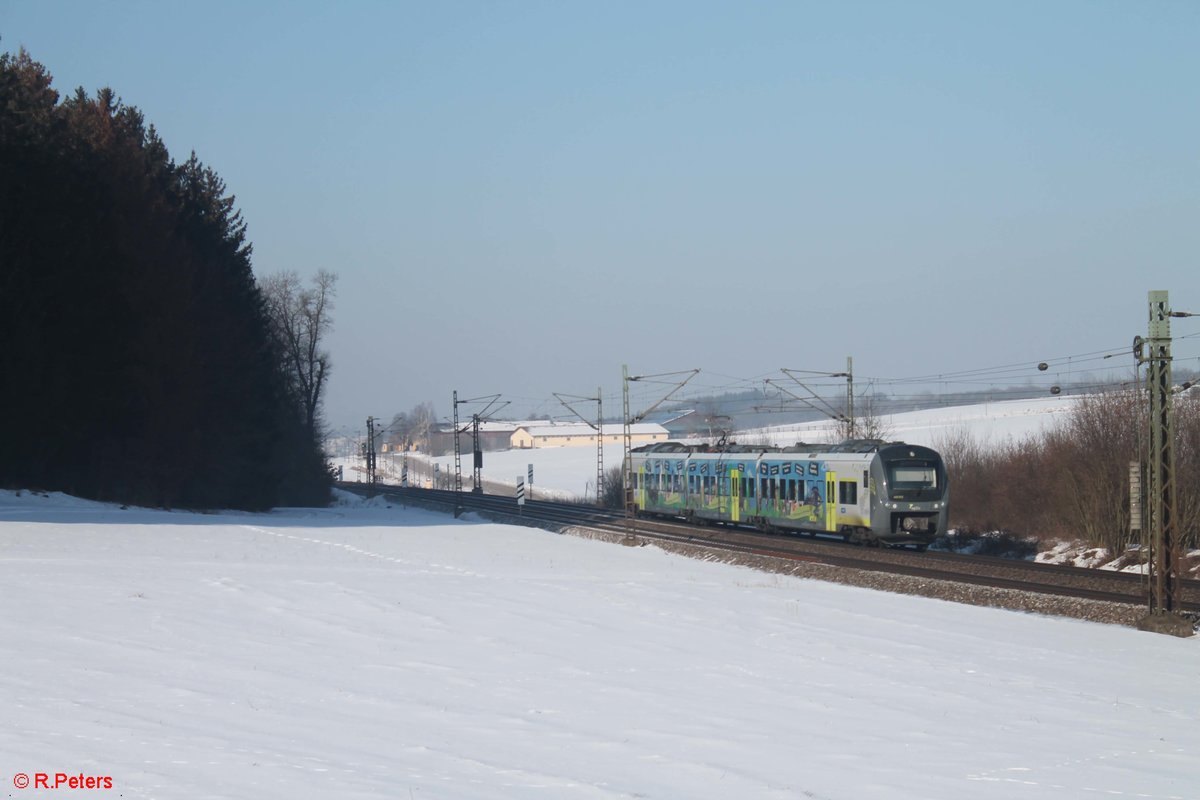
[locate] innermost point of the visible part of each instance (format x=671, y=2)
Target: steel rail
x=982, y=571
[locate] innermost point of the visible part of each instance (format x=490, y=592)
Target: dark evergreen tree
x=138, y=360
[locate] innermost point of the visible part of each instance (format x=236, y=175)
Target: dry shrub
x=1072, y=481
x=1187, y=466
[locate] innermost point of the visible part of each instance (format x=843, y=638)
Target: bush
x=614, y=488
x=1073, y=481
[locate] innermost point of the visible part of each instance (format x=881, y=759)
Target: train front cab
x=913, y=496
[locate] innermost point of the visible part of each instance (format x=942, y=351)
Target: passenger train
x=864, y=490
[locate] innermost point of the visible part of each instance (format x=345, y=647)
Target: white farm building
x=577, y=434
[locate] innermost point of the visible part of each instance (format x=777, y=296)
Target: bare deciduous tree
x=413, y=427
x=867, y=425
x=300, y=318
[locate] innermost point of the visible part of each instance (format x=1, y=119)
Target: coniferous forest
x=136, y=357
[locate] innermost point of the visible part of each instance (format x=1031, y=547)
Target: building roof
x=581, y=429
x=490, y=425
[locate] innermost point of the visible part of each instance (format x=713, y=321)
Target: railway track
x=984, y=572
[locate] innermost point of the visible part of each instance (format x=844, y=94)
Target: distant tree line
x=1072, y=481
x=136, y=348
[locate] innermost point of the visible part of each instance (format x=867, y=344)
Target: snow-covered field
x=373, y=652
x=987, y=423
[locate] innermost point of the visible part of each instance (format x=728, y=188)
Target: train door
x=639, y=492
x=722, y=481
x=735, y=493
x=831, y=501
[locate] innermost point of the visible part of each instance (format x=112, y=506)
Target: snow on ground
x=987, y=423
x=559, y=473
x=364, y=651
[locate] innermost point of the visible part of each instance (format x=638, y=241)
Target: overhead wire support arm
x=848, y=417
x=691, y=373
x=476, y=418
x=563, y=398
x=828, y=411
x=599, y=428
x=491, y=400
x=629, y=420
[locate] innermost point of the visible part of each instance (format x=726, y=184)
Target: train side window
x=848, y=493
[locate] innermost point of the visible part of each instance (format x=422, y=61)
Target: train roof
x=847, y=446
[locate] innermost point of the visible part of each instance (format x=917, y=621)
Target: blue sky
x=521, y=197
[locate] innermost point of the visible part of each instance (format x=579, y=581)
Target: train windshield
x=914, y=480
